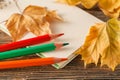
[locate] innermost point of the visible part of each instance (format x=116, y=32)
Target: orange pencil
x=30, y=62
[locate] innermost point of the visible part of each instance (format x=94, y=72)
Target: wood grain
x=73, y=71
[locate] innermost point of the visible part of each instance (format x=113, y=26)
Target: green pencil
x=31, y=50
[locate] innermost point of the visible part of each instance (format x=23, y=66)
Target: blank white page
x=8, y=10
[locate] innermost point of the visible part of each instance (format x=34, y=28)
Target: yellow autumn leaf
x=102, y=43
x=33, y=19
x=110, y=8
x=70, y=2
x=94, y=44
x=88, y=3
x=111, y=54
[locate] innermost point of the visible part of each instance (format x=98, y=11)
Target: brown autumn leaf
x=102, y=43
x=33, y=19
x=52, y=16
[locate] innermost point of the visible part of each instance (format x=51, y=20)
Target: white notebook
x=7, y=10
x=75, y=26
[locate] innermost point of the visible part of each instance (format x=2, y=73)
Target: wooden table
x=73, y=71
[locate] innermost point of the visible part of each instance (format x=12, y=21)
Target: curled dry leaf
x=110, y=8
x=102, y=43
x=33, y=19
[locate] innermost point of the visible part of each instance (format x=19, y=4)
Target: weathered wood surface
x=73, y=71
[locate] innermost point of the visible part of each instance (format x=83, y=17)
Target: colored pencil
x=31, y=50
x=27, y=42
x=30, y=62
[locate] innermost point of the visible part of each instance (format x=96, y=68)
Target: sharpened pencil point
x=64, y=44
x=60, y=34
x=53, y=36
x=63, y=59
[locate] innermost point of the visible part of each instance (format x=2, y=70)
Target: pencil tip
x=64, y=44
x=56, y=35
x=60, y=34
x=63, y=59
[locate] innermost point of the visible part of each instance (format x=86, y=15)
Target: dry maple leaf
x=33, y=19
x=111, y=54
x=103, y=42
x=93, y=44
x=110, y=8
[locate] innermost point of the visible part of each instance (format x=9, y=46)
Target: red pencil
x=27, y=42
x=30, y=62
